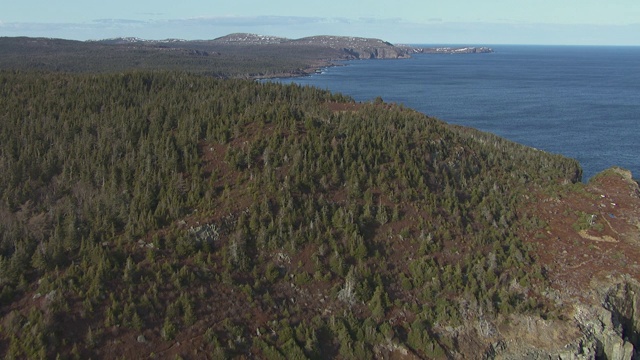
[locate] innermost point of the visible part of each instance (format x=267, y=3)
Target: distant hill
x=234, y=55
x=246, y=38
x=347, y=47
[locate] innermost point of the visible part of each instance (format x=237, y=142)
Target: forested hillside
x=203, y=57
x=166, y=214
x=234, y=55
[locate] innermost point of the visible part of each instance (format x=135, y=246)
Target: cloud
x=28, y=28
x=433, y=31
x=249, y=20
x=150, y=14
x=119, y=22
x=188, y=28
x=381, y=21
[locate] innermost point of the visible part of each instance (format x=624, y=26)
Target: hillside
x=206, y=58
x=148, y=211
x=165, y=214
x=234, y=55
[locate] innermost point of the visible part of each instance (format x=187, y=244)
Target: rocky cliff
x=594, y=272
x=350, y=47
x=605, y=330
x=594, y=281
x=356, y=47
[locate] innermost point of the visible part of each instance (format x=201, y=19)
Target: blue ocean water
x=581, y=102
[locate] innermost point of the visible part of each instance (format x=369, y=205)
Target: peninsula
x=235, y=55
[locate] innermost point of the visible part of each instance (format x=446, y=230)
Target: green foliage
x=173, y=202
x=587, y=221
x=209, y=58
x=168, y=329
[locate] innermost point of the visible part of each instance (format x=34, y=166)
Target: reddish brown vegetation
x=611, y=246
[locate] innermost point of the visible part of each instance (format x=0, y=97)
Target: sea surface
x=581, y=102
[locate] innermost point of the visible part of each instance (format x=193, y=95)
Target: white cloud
x=250, y=20
x=119, y=22
x=433, y=30
x=150, y=14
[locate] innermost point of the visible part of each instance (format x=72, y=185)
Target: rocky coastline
x=351, y=48
x=319, y=52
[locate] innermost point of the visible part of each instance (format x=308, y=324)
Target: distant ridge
x=235, y=55
x=134, y=40
x=352, y=45
x=349, y=46
x=246, y=38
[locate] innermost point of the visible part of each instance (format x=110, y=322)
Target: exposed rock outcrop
x=595, y=281
x=357, y=47
x=350, y=47
x=608, y=330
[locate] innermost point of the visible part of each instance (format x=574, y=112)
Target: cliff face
x=623, y=303
x=350, y=47
x=608, y=330
x=356, y=47
x=589, y=248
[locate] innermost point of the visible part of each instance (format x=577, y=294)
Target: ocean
x=581, y=102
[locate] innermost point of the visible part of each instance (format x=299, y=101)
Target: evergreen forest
x=210, y=57
x=167, y=214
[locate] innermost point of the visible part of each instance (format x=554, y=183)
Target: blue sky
x=570, y=22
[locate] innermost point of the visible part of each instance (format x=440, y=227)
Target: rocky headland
x=350, y=47
x=234, y=55
x=589, y=249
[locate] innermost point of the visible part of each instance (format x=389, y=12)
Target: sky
x=551, y=22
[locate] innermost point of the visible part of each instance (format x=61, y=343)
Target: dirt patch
x=604, y=238
x=588, y=231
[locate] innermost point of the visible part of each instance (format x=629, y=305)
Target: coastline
x=494, y=94
x=311, y=70
x=407, y=52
